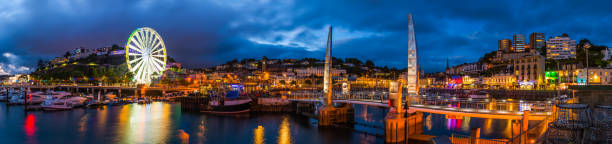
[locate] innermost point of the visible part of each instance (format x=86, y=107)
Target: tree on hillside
x=40, y=64
x=67, y=54
x=369, y=63
x=488, y=57
x=354, y=61
x=115, y=47
x=594, y=51
x=337, y=61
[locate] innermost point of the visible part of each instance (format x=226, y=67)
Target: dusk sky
x=206, y=33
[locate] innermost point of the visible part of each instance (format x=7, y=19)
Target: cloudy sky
x=202, y=33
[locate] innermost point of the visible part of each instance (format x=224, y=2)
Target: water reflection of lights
x=487, y=127
x=202, y=133
x=102, y=119
x=465, y=124
x=30, y=125
x=83, y=124
x=145, y=123
x=428, y=122
x=284, y=132
x=258, y=135
x=508, y=130
x=365, y=113
x=184, y=136
x=452, y=123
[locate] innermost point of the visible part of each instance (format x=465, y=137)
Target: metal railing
x=505, y=106
x=464, y=139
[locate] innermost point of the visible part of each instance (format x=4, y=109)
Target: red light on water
x=30, y=125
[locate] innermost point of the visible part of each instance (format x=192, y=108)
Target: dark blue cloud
x=206, y=33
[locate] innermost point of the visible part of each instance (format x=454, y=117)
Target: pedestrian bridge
x=481, y=108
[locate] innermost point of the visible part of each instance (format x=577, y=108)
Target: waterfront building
x=597, y=76
x=518, y=43
x=504, y=45
x=529, y=71
x=560, y=47
x=537, y=40
x=506, y=81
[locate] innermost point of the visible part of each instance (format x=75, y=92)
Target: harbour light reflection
x=146, y=123
x=30, y=125
x=29, y=128
x=284, y=132
x=258, y=135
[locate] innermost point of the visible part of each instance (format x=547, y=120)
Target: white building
x=560, y=48
x=607, y=54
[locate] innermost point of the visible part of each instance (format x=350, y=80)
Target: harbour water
x=160, y=122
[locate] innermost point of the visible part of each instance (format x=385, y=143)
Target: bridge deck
x=480, y=113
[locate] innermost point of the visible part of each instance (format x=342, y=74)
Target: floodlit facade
x=529, y=71
x=504, y=45
x=596, y=76
x=500, y=81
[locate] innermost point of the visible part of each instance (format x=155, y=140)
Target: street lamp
x=586, y=50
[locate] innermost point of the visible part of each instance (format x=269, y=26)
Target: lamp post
x=586, y=50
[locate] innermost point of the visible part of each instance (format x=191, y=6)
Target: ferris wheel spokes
x=145, y=55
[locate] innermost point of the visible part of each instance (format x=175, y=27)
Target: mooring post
x=475, y=135
x=25, y=100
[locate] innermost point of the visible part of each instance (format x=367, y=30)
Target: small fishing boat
x=230, y=104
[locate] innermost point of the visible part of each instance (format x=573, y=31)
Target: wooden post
x=475, y=134
x=7, y=95
x=525, y=126
x=25, y=100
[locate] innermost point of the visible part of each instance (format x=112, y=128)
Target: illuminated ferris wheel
x=145, y=55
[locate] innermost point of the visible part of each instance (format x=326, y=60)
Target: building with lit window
x=560, y=47
x=518, y=43
x=504, y=45
x=500, y=81
x=596, y=76
x=529, y=71
x=317, y=71
x=537, y=40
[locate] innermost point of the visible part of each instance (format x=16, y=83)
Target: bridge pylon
x=328, y=114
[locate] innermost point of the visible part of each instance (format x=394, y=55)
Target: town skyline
x=211, y=40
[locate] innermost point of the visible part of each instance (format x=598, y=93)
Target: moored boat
x=231, y=103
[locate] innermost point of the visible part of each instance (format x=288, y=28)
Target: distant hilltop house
x=79, y=53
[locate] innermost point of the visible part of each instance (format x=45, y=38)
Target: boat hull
x=229, y=109
x=55, y=108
